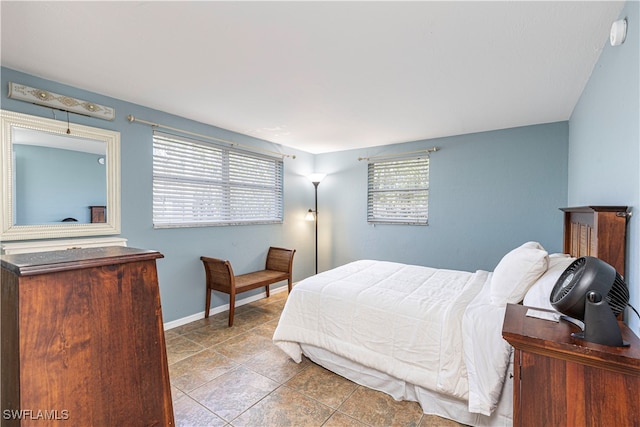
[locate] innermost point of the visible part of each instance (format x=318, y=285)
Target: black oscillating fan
x=592, y=291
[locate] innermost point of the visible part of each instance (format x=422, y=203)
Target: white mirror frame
x=11, y=231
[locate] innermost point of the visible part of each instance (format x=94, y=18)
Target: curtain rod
x=132, y=119
x=384, y=156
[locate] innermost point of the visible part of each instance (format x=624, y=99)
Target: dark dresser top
x=46, y=262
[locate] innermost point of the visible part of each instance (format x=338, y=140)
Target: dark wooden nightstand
x=562, y=381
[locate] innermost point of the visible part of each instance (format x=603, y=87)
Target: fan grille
x=618, y=296
x=568, y=279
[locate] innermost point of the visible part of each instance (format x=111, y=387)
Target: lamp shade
x=316, y=177
x=310, y=216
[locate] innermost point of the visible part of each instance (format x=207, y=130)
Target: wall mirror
x=58, y=184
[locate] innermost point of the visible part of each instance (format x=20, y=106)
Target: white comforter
x=407, y=321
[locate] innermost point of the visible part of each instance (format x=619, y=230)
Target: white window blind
x=198, y=184
x=398, y=191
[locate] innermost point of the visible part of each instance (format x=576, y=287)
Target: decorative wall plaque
x=60, y=102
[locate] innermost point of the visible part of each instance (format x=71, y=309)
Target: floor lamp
x=313, y=215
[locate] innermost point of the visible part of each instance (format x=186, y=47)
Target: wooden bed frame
x=599, y=231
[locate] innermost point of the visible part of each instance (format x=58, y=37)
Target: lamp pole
x=315, y=184
x=315, y=180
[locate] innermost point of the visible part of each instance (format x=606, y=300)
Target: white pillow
x=516, y=272
x=539, y=292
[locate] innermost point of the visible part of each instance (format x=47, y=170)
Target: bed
x=417, y=333
x=432, y=335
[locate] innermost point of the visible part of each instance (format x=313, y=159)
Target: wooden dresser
x=598, y=231
x=562, y=381
x=82, y=339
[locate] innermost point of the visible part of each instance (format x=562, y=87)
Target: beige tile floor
x=223, y=376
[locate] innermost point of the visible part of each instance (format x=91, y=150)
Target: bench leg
x=207, y=305
x=289, y=285
x=267, y=288
x=232, y=306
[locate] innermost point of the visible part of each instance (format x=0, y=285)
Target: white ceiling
x=321, y=76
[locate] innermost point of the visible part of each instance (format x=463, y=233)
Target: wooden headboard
x=598, y=231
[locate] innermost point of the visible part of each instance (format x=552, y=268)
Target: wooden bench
x=220, y=276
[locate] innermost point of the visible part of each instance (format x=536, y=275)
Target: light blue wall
x=604, y=140
x=44, y=198
x=489, y=192
x=180, y=272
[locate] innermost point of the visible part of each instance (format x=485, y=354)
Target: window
x=199, y=184
x=399, y=191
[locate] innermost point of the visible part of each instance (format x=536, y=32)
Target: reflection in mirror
x=57, y=178
x=57, y=184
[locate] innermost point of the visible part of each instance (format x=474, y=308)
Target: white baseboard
x=221, y=308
